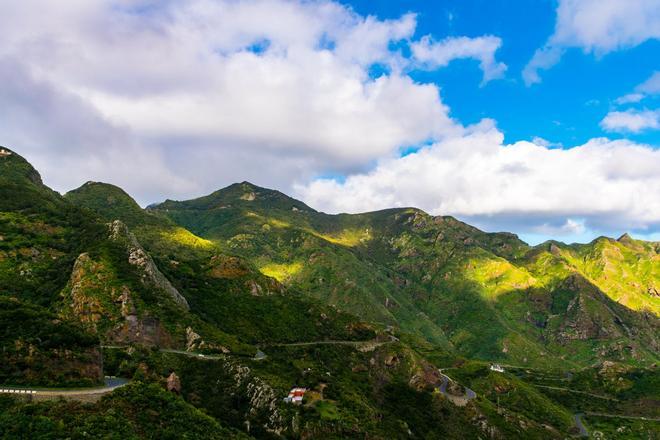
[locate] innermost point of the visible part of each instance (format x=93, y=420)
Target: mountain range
x=391, y=320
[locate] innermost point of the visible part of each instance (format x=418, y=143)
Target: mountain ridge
x=363, y=310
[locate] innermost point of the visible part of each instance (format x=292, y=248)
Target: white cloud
x=436, y=54
x=543, y=59
x=175, y=99
x=570, y=227
x=64, y=136
x=596, y=26
x=630, y=98
x=633, y=121
x=177, y=78
x=545, y=143
x=651, y=86
x=524, y=186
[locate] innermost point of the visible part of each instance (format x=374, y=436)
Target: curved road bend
x=580, y=425
x=469, y=394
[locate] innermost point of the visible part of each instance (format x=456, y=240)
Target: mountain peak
x=625, y=238
x=244, y=194
x=14, y=167
x=107, y=200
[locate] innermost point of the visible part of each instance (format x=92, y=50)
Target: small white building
x=4, y=152
x=497, y=367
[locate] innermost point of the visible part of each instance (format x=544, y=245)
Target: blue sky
x=565, y=108
x=536, y=117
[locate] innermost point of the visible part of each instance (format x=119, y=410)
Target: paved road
x=580, y=425
x=443, y=386
x=351, y=343
x=111, y=384
x=469, y=394
x=571, y=390
x=621, y=416
x=193, y=354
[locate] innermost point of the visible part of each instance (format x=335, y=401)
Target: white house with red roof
x=295, y=395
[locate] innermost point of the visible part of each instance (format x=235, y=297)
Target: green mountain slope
x=487, y=295
x=224, y=290
x=361, y=310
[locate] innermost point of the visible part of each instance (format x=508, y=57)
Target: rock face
x=138, y=257
x=87, y=308
x=105, y=306
x=261, y=400
x=174, y=383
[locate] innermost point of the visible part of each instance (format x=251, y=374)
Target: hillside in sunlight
x=390, y=320
x=486, y=295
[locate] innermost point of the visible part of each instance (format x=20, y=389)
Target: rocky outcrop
x=104, y=305
x=584, y=317
x=138, y=257
x=147, y=331
x=228, y=267
x=174, y=383
x=258, y=400
x=87, y=308
x=194, y=342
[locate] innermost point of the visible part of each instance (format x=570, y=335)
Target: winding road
x=111, y=384
x=458, y=400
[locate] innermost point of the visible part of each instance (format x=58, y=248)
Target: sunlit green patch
x=184, y=237
x=348, y=237
x=281, y=272
x=497, y=276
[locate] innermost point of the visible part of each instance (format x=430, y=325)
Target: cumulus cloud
x=183, y=80
x=268, y=78
x=434, y=54
x=603, y=185
x=66, y=137
x=632, y=121
x=596, y=26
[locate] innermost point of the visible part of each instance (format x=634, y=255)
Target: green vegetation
x=361, y=310
x=486, y=295
x=136, y=411
x=39, y=349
